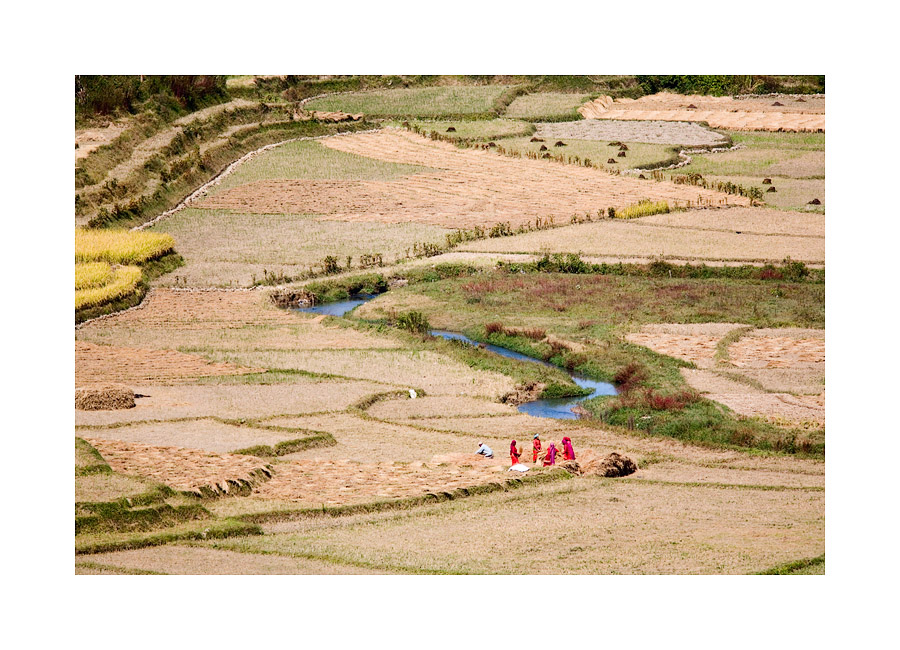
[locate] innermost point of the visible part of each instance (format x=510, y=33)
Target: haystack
x=107, y=397
x=592, y=463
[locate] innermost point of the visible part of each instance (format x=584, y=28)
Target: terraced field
x=265, y=439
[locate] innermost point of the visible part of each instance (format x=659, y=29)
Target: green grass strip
x=214, y=530
x=793, y=567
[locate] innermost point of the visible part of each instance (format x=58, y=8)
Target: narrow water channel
x=559, y=409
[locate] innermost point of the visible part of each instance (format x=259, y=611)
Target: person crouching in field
x=514, y=453
x=485, y=451
x=568, y=449
x=536, y=447
x=550, y=458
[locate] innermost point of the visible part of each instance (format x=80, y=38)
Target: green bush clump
x=413, y=321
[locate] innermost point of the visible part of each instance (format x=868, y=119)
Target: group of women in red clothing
x=568, y=451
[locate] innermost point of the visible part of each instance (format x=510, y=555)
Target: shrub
x=630, y=377
x=413, y=321
x=330, y=265
x=493, y=328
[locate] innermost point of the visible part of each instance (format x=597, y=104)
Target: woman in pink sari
x=550, y=458
x=568, y=449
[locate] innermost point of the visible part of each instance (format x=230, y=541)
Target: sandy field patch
x=708, y=381
x=521, y=427
x=168, y=309
x=618, y=239
x=102, y=363
x=809, y=381
x=192, y=560
x=810, y=163
x=430, y=371
x=676, y=472
x=208, y=435
x=719, y=112
x=470, y=188
x=781, y=361
x=588, y=526
x=771, y=351
x=660, y=132
x=369, y=441
x=763, y=221
x=179, y=468
x=696, y=343
x=302, y=395
x=443, y=406
x=223, y=320
x=773, y=406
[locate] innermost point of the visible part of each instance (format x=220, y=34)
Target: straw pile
x=592, y=463
x=109, y=397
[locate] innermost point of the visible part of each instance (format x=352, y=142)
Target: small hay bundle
x=611, y=161
x=543, y=148
x=536, y=139
x=451, y=129
x=771, y=189
x=815, y=202
x=621, y=154
x=767, y=181
x=614, y=464
x=560, y=143
x=107, y=397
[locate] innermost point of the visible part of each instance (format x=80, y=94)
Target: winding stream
x=559, y=409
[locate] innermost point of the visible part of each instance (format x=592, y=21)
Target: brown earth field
x=719, y=112
x=738, y=378
x=471, y=188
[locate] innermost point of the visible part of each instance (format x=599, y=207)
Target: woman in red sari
x=550, y=458
x=536, y=447
x=568, y=449
x=514, y=453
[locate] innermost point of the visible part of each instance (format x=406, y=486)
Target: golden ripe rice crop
x=92, y=274
x=120, y=246
x=643, y=209
x=124, y=282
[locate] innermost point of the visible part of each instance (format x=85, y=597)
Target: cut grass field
x=545, y=107
x=590, y=526
x=637, y=238
x=413, y=102
x=474, y=129
x=310, y=159
x=794, y=161
x=598, y=152
x=229, y=248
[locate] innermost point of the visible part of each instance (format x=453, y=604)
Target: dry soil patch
x=660, y=132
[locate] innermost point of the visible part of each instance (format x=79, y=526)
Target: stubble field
x=266, y=440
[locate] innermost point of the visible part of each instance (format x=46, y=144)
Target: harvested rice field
x=718, y=112
x=471, y=188
x=660, y=132
x=637, y=238
x=253, y=438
